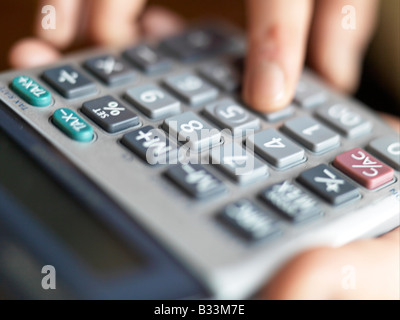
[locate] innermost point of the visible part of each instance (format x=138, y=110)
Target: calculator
x=141, y=174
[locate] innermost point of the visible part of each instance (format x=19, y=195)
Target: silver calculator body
x=230, y=252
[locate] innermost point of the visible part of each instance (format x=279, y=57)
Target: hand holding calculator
x=177, y=181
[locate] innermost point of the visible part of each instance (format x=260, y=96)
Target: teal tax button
x=29, y=90
x=72, y=125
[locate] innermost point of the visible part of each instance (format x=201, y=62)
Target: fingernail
x=266, y=86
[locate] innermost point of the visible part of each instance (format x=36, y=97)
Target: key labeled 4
x=364, y=168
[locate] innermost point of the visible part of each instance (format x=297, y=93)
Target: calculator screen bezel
x=159, y=275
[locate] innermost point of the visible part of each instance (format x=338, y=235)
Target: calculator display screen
x=66, y=218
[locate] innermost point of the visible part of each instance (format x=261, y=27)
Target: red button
x=364, y=168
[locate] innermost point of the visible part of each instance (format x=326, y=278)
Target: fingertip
x=31, y=52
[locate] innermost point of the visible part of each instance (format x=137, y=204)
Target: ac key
x=364, y=168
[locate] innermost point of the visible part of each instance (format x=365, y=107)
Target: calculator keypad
x=249, y=148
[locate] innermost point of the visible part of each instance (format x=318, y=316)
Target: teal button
x=29, y=90
x=72, y=125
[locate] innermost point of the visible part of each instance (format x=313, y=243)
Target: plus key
x=364, y=168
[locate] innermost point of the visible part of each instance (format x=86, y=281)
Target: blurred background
x=380, y=85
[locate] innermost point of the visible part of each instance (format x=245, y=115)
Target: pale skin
x=281, y=33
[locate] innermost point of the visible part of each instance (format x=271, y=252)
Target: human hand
x=94, y=22
x=281, y=31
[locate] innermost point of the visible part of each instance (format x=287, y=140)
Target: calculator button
x=329, y=184
x=293, y=202
x=151, y=145
x=196, y=180
x=279, y=115
x=189, y=127
x=312, y=134
x=147, y=59
x=191, y=88
x=275, y=148
x=249, y=220
x=388, y=149
x=72, y=125
x=222, y=75
x=111, y=70
x=309, y=95
x=29, y=90
x=153, y=101
x=196, y=44
x=238, y=163
x=347, y=122
x=231, y=115
x=69, y=82
x=110, y=114
x=364, y=168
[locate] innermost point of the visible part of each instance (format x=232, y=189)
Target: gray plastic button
x=69, y=82
x=249, y=220
x=229, y=114
x=191, y=88
x=238, y=163
x=151, y=145
x=111, y=70
x=293, y=202
x=329, y=184
x=196, y=180
x=110, y=114
x=147, y=59
x=388, y=149
x=189, y=127
x=275, y=148
x=153, y=101
x=347, y=122
x=312, y=134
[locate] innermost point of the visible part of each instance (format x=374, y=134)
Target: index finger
x=278, y=32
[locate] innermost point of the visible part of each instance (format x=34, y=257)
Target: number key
x=191, y=128
x=153, y=101
x=229, y=114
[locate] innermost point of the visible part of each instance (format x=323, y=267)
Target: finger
x=66, y=17
x=366, y=269
x=158, y=22
x=40, y=53
x=336, y=49
x=113, y=22
x=277, y=36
